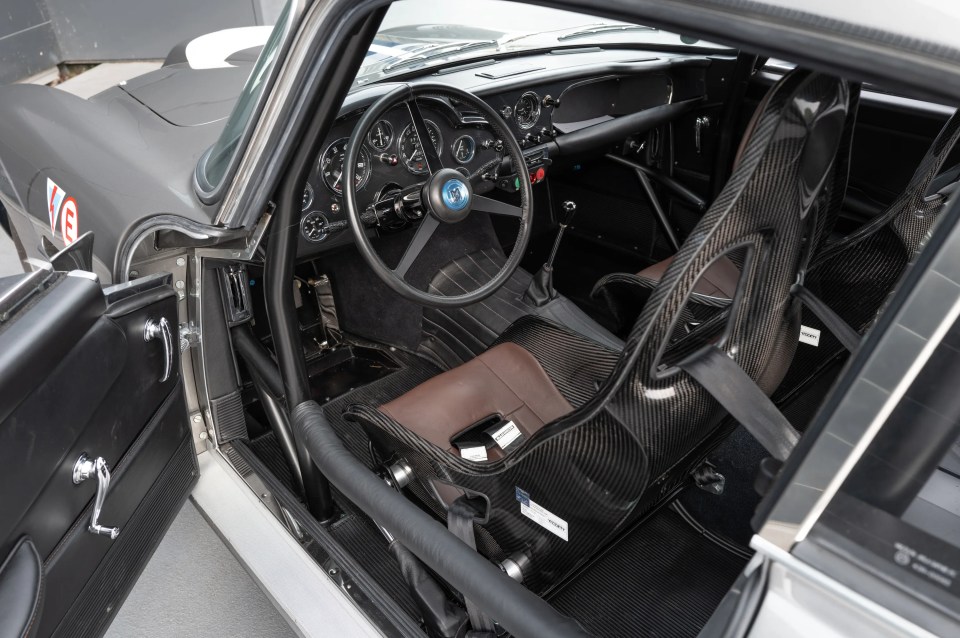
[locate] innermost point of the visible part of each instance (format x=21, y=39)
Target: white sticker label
x=810, y=336
x=506, y=435
x=541, y=516
x=474, y=453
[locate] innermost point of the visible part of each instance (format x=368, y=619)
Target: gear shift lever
x=541, y=291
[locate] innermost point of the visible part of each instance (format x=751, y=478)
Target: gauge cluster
x=390, y=156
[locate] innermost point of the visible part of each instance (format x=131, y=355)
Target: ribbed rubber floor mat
x=663, y=579
x=355, y=531
x=359, y=536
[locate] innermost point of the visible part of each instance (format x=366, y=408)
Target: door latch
x=84, y=469
x=161, y=329
x=699, y=124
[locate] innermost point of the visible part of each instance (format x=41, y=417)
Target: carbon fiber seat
x=870, y=261
x=637, y=424
x=624, y=294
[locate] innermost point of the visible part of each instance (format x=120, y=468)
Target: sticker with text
x=809, y=336
x=542, y=517
x=474, y=453
x=62, y=209
x=506, y=435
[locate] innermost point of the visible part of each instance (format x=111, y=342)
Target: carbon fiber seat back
x=639, y=423
x=856, y=274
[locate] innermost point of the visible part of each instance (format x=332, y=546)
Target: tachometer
x=527, y=110
x=331, y=166
x=464, y=148
x=408, y=147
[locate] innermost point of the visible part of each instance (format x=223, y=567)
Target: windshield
x=213, y=165
x=419, y=34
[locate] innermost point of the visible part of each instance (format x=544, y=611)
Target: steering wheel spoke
x=496, y=207
x=444, y=196
x=430, y=155
x=420, y=238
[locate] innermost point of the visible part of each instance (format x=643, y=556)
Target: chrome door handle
x=700, y=123
x=84, y=469
x=161, y=329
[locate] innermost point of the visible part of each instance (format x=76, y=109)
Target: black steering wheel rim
x=408, y=94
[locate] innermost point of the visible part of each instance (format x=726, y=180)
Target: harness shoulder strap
x=743, y=399
x=847, y=336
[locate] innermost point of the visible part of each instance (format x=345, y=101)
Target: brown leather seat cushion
x=719, y=280
x=505, y=380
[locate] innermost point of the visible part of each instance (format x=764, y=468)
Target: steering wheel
x=445, y=197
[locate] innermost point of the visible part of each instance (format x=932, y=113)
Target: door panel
x=21, y=590
x=78, y=376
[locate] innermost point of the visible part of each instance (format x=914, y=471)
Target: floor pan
x=662, y=579
x=354, y=530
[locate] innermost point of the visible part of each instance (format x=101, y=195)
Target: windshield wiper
x=438, y=51
x=604, y=28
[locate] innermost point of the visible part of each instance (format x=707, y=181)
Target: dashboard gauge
x=313, y=227
x=331, y=166
x=408, y=147
x=527, y=110
x=381, y=135
x=464, y=148
x=307, y=197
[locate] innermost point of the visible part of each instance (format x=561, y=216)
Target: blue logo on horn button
x=455, y=195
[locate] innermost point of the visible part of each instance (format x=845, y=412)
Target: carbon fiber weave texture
x=637, y=419
x=855, y=275
x=625, y=294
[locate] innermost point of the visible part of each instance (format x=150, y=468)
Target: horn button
x=449, y=195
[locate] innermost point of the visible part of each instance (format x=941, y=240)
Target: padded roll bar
x=520, y=611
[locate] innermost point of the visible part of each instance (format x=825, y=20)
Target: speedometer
x=331, y=166
x=408, y=147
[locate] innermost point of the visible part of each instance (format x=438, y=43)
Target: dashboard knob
x=549, y=100
x=506, y=112
x=369, y=216
x=388, y=159
x=547, y=132
x=531, y=138
x=496, y=145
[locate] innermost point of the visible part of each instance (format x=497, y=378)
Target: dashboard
x=543, y=98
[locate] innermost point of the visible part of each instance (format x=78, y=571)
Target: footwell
x=663, y=578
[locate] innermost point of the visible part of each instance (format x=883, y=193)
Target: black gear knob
x=569, y=209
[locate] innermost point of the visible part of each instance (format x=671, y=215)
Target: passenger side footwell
x=663, y=578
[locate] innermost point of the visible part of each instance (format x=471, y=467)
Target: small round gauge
x=464, y=148
x=527, y=110
x=408, y=147
x=381, y=135
x=313, y=227
x=307, y=197
x=331, y=166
